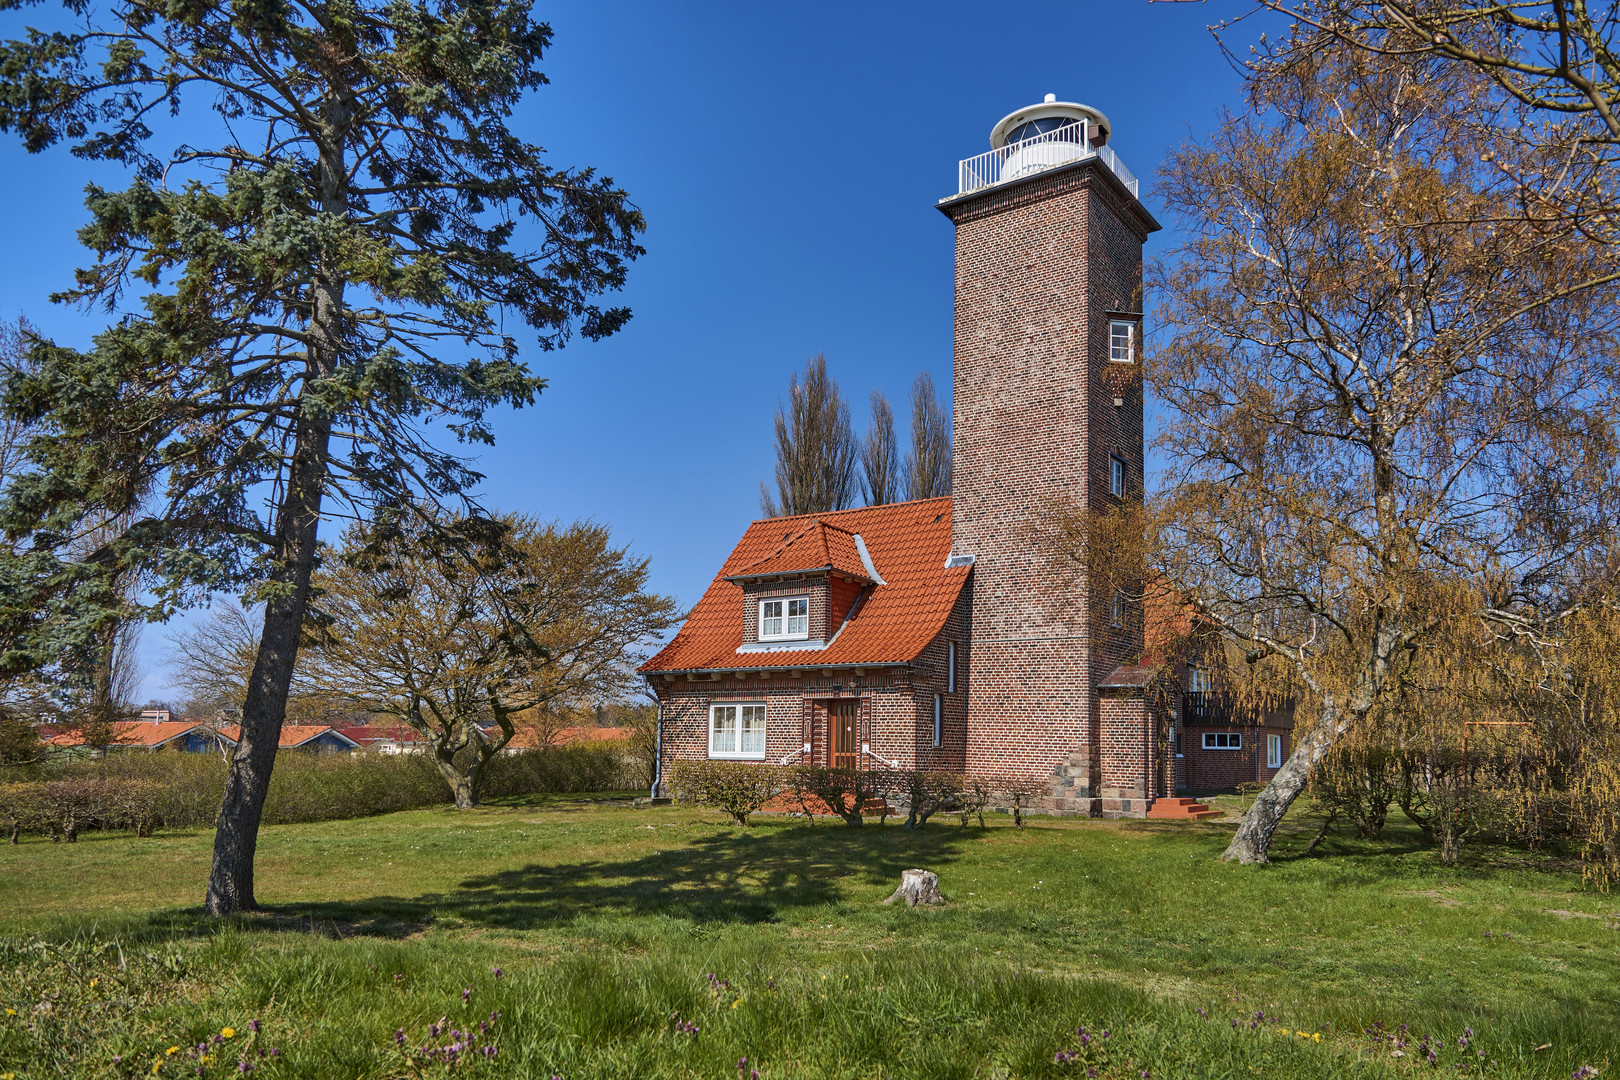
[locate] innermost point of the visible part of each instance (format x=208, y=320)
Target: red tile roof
x=291, y=734
x=528, y=738
x=909, y=544
x=815, y=547
x=132, y=733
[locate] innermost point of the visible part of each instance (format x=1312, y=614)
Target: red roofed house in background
x=941, y=634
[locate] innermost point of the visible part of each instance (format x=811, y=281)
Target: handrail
x=1048, y=150
x=866, y=748
x=795, y=754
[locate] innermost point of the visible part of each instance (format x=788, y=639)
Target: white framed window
x=1116, y=476
x=1116, y=617
x=939, y=719
x=950, y=670
x=1223, y=740
x=1122, y=341
x=1197, y=681
x=788, y=617
x=737, y=730
x=1273, y=751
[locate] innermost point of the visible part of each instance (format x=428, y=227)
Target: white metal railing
x=1060, y=146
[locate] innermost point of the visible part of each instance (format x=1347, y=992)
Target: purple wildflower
x=466, y=995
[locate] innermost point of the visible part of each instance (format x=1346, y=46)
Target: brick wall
x=896, y=706
x=1208, y=770
x=1039, y=266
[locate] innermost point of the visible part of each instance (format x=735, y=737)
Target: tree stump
x=917, y=887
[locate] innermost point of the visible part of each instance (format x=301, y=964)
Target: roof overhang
x=809, y=571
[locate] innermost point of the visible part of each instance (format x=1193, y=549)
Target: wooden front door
x=845, y=749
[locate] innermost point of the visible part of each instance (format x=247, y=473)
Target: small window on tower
x=1117, y=618
x=1116, y=477
x=1122, y=341
x=939, y=720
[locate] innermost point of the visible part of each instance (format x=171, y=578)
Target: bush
x=601, y=766
x=140, y=791
x=849, y=793
x=739, y=788
x=925, y=793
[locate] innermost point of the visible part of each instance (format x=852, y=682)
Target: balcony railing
x=1060, y=146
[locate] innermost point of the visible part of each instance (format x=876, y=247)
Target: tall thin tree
x=326, y=275
x=816, y=452
x=927, y=468
x=880, y=455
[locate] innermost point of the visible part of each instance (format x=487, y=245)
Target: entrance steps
x=1180, y=810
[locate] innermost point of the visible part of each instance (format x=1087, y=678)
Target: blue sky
x=787, y=158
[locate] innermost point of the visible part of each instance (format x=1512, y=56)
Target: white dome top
x=1051, y=108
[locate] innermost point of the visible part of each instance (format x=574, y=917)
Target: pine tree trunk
x=247, y=782
x=236, y=832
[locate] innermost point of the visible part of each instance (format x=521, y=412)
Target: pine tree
x=300, y=304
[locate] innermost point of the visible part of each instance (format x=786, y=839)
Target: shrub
x=925, y=793
x=601, y=766
x=976, y=793
x=739, y=788
x=1018, y=793
x=848, y=793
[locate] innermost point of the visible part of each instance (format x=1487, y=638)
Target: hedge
x=138, y=791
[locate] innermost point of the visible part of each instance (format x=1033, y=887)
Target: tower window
x=1122, y=341
x=1116, y=477
x=939, y=716
x=950, y=671
x=1117, y=618
x=787, y=618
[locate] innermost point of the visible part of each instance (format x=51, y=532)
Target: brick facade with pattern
x=1041, y=266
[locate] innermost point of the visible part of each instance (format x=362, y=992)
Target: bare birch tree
x=1389, y=407
x=816, y=453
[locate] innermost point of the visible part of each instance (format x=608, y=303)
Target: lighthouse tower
x=1048, y=415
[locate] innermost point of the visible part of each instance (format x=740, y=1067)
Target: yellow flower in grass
x=11, y=1012
x=737, y=1004
x=1316, y=1036
x=230, y=1033
x=171, y=1051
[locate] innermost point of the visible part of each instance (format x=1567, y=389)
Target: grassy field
x=649, y=943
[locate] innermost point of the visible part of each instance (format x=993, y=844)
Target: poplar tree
x=927, y=466
x=816, y=451
x=880, y=455
x=329, y=273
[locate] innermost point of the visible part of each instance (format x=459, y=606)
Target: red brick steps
x=1181, y=810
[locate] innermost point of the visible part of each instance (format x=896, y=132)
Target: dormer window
x=788, y=617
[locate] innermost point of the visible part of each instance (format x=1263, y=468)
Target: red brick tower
x=1048, y=412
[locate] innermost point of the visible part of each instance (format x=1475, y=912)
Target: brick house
x=942, y=634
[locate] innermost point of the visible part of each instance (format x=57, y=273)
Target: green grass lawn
x=647, y=943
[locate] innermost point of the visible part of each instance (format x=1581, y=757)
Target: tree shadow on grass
x=733, y=877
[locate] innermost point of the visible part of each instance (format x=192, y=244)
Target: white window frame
x=1116, y=619
x=747, y=722
x=1274, y=758
x=939, y=720
x=787, y=618
x=1116, y=476
x=1213, y=740
x=950, y=672
x=1130, y=341
x=1197, y=681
